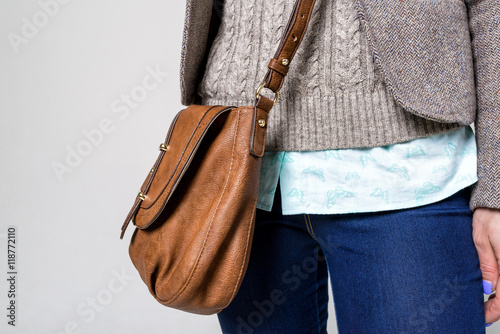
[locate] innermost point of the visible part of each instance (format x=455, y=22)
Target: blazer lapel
x=423, y=50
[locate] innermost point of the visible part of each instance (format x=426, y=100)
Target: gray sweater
x=440, y=61
x=333, y=95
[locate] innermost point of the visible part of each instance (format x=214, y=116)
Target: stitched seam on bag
x=211, y=221
x=179, y=177
x=241, y=269
x=183, y=153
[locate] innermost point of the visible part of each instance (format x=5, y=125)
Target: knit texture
x=333, y=97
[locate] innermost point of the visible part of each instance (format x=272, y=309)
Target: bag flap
x=190, y=126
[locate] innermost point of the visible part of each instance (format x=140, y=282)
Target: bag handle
x=290, y=41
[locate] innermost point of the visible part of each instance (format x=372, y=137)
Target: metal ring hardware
x=259, y=89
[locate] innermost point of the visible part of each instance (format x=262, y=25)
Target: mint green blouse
x=401, y=175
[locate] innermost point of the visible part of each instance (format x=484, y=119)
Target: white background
x=59, y=81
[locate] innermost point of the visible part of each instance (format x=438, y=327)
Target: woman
x=371, y=172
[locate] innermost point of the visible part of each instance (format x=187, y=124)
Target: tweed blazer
x=440, y=60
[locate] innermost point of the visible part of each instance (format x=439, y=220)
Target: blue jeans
x=412, y=270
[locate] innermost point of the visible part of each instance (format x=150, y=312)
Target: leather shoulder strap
x=290, y=41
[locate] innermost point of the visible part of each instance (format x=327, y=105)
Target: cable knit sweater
x=333, y=93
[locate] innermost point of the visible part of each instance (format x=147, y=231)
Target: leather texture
x=194, y=228
x=294, y=32
x=195, y=214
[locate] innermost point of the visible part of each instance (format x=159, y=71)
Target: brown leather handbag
x=195, y=213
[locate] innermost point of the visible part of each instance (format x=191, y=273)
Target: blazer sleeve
x=484, y=27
